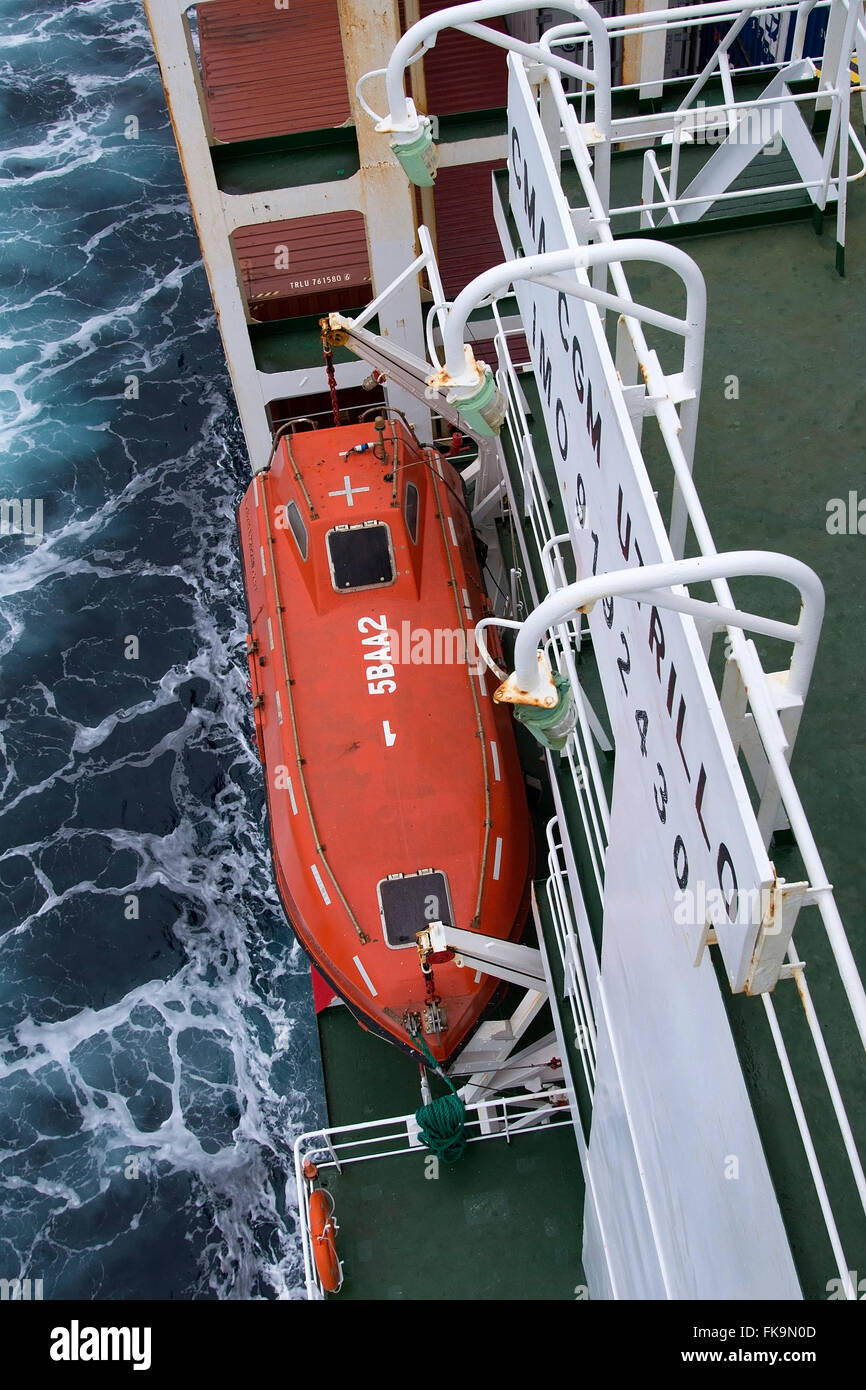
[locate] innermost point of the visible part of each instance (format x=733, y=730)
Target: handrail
x=692, y=328
x=554, y=1106
x=653, y=582
x=401, y=116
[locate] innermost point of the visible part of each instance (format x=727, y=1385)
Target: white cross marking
x=348, y=491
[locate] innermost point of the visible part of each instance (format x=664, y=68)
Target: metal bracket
x=768, y=959
x=779, y=917
x=334, y=334
x=521, y=965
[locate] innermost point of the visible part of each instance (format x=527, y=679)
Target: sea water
x=157, y=1043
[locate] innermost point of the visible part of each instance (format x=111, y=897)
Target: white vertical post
x=370, y=32
x=843, y=82
x=652, y=56
x=860, y=45
x=551, y=124
x=833, y=42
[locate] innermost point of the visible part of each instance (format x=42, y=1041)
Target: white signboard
x=665, y=714
x=679, y=1200
x=683, y=1197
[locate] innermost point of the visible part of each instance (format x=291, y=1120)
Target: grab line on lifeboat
x=479, y=723
x=362, y=935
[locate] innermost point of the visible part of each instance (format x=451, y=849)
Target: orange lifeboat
x=394, y=790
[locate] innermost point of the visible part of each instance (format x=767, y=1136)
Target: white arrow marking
x=390, y=739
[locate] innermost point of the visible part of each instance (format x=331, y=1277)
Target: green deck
x=503, y=1223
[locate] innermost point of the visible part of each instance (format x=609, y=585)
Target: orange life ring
x=323, y=1230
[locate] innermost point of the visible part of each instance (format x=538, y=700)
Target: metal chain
x=429, y=985
x=332, y=380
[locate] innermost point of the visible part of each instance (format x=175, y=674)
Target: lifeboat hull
x=395, y=795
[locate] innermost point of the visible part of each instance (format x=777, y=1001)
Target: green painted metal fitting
x=419, y=157
x=485, y=409
x=551, y=726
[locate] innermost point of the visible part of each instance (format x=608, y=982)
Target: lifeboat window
x=410, y=511
x=410, y=902
x=361, y=557
x=297, y=528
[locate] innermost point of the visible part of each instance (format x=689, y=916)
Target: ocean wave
x=156, y=1030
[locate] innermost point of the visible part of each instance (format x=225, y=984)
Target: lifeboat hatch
x=410, y=902
x=361, y=557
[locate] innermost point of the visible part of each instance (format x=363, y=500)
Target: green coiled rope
x=441, y=1123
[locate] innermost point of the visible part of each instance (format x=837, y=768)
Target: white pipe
x=481, y=641
x=808, y=1145
x=382, y=72
x=628, y=583
x=618, y=303
x=829, y=1075
x=598, y=74
x=803, y=11
x=842, y=173
x=600, y=51
x=720, y=616
x=660, y=18
x=703, y=77
x=400, y=116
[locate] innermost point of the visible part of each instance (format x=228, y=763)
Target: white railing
x=577, y=990
x=539, y=542
x=340, y=1146
x=581, y=751
x=672, y=127
x=591, y=32
x=581, y=756
x=564, y=885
